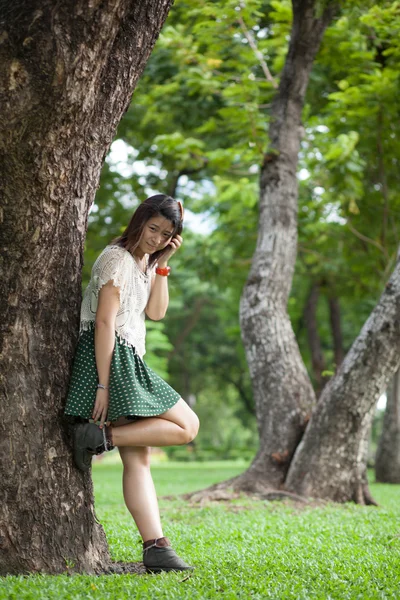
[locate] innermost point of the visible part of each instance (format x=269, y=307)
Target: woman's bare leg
x=177, y=426
x=139, y=491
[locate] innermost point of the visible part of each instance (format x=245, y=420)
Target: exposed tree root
x=369, y=501
x=365, y=496
x=207, y=495
x=243, y=485
x=238, y=487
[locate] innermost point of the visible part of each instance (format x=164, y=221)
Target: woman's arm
x=159, y=297
x=104, y=340
x=158, y=302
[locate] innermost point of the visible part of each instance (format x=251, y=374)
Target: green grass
x=242, y=549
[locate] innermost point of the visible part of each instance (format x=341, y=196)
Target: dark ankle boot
x=159, y=556
x=89, y=439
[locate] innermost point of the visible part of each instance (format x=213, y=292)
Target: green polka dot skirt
x=135, y=389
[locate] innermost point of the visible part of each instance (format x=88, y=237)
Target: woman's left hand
x=174, y=244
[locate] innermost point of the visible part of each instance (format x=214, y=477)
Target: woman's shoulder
x=111, y=256
x=115, y=248
x=113, y=251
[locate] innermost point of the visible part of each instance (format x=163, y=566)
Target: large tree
x=67, y=73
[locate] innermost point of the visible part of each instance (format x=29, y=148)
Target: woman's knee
x=135, y=456
x=191, y=428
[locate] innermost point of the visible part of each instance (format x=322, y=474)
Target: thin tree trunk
x=67, y=73
x=331, y=459
x=336, y=328
x=314, y=341
x=387, y=462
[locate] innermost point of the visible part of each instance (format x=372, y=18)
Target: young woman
x=114, y=397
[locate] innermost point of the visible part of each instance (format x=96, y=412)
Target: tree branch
x=195, y=316
x=364, y=238
x=249, y=37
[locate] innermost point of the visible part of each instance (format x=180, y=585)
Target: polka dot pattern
x=135, y=389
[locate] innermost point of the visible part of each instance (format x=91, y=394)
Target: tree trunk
x=67, y=73
x=190, y=325
x=282, y=390
x=336, y=328
x=330, y=462
x=387, y=462
x=314, y=341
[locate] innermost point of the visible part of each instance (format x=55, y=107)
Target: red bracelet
x=163, y=271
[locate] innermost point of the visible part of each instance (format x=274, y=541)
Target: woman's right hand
x=100, y=407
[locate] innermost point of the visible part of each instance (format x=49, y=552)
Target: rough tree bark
x=330, y=461
x=387, y=462
x=67, y=73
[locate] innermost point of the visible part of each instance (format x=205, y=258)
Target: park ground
x=245, y=548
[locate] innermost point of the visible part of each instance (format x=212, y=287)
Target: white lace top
x=118, y=264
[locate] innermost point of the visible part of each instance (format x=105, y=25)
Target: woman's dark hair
x=159, y=204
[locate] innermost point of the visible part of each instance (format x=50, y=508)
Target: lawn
x=243, y=549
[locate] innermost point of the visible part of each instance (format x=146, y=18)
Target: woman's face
x=157, y=234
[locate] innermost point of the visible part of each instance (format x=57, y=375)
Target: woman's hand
x=174, y=244
x=100, y=407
